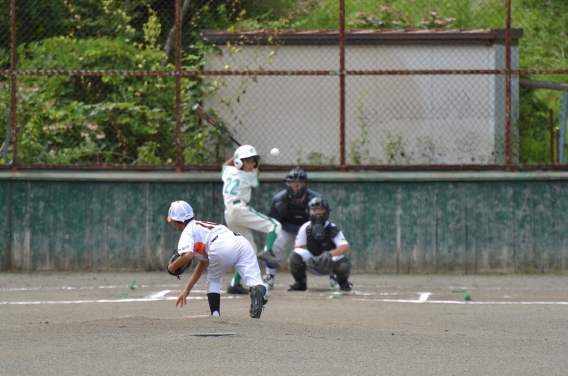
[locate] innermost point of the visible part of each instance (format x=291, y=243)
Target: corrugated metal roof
x=363, y=37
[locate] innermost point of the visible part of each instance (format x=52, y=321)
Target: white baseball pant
x=284, y=242
x=242, y=218
x=306, y=255
x=229, y=251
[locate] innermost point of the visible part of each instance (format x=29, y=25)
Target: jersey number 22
x=232, y=185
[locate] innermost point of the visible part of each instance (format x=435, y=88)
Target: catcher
x=320, y=248
x=216, y=249
x=290, y=208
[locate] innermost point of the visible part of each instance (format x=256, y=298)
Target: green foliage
x=429, y=151
x=387, y=17
x=385, y=14
x=544, y=45
x=147, y=153
x=316, y=158
x=545, y=25
x=358, y=148
x=104, y=119
x=534, y=132
x=201, y=144
x=394, y=148
x=108, y=119
x=117, y=119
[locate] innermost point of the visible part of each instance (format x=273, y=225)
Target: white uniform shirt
x=238, y=184
x=302, y=238
x=197, y=236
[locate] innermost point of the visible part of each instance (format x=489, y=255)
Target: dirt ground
x=96, y=324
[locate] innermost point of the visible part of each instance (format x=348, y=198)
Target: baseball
x=275, y=152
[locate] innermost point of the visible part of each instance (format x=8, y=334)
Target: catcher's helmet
x=244, y=152
x=318, y=202
x=296, y=174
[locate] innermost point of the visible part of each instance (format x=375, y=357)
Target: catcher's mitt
x=322, y=264
x=179, y=271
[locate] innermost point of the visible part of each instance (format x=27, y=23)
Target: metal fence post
x=562, y=137
x=508, y=133
x=13, y=87
x=178, y=163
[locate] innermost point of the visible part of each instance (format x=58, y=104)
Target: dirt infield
x=95, y=324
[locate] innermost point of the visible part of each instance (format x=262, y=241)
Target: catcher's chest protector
x=315, y=247
x=295, y=214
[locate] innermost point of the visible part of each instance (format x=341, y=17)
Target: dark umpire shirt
x=290, y=214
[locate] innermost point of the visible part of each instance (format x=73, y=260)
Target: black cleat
x=346, y=286
x=257, y=300
x=298, y=287
x=238, y=289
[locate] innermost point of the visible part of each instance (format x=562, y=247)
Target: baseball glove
x=322, y=264
x=179, y=271
x=270, y=258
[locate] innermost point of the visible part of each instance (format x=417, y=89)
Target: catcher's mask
x=318, y=210
x=246, y=153
x=296, y=182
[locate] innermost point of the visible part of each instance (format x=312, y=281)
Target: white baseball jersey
x=302, y=238
x=223, y=249
x=196, y=238
x=238, y=184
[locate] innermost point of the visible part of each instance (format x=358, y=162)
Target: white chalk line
x=83, y=287
x=468, y=302
x=423, y=298
x=159, y=296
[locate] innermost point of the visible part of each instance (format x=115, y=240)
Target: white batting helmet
x=244, y=152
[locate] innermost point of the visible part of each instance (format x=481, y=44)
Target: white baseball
x=275, y=152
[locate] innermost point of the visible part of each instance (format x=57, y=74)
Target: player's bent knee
x=295, y=262
x=342, y=268
x=277, y=228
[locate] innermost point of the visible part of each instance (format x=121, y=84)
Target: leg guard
x=342, y=270
x=297, y=267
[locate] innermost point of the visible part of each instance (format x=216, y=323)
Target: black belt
x=216, y=237
x=235, y=202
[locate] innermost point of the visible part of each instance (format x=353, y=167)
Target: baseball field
x=126, y=324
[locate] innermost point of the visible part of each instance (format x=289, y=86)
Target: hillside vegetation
x=130, y=120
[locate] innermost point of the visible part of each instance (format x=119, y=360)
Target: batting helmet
x=244, y=152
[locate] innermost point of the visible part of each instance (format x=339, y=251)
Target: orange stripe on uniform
x=199, y=248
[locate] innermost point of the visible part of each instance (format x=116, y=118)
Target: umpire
x=320, y=248
x=290, y=208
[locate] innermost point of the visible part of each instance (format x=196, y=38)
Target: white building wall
x=402, y=119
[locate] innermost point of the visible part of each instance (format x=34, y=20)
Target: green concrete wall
x=411, y=222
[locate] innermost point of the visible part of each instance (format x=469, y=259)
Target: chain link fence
x=348, y=84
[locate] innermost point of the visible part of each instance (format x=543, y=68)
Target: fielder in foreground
x=320, y=249
x=216, y=249
x=290, y=208
x=240, y=176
